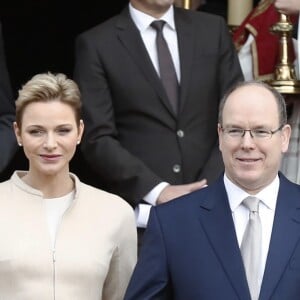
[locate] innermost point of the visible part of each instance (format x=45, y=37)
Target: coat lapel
x=186, y=42
x=222, y=237
x=285, y=235
x=131, y=39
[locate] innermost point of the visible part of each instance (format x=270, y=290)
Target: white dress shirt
x=148, y=34
x=240, y=213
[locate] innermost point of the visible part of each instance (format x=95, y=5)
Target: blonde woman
x=60, y=238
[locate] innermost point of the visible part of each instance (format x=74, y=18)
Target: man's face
x=155, y=8
x=252, y=162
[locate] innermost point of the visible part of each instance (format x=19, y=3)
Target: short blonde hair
x=46, y=87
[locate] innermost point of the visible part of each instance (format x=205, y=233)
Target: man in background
x=143, y=144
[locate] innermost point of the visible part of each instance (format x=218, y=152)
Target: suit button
x=176, y=168
x=180, y=133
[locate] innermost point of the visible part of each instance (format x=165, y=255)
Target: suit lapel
x=131, y=39
x=222, y=237
x=285, y=235
x=186, y=41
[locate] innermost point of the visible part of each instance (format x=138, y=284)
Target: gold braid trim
x=262, y=6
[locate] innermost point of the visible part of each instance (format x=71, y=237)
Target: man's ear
x=285, y=136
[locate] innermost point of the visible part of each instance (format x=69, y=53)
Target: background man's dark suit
x=218, y=271
x=8, y=144
x=132, y=139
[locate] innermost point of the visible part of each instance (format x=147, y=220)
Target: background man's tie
x=251, y=246
x=166, y=65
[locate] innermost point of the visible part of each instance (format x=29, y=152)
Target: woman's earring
x=20, y=144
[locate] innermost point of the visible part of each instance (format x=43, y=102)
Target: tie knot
x=251, y=203
x=158, y=25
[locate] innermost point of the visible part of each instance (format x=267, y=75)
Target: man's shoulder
x=202, y=197
x=107, y=26
x=287, y=184
x=198, y=16
x=100, y=28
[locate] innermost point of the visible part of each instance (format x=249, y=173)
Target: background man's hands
x=173, y=191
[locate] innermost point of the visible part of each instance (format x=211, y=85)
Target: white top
x=240, y=213
x=55, y=208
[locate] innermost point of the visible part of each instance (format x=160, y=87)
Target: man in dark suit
x=8, y=144
x=191, y=247
x=139, y=147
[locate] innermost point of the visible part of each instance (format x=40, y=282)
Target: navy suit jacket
x=190, y=250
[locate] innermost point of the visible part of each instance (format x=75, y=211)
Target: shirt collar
x=236, y=195
x=143, y=21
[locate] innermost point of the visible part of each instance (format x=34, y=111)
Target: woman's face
x=49, y=135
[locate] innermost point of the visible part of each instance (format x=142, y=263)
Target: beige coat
x=95, y=245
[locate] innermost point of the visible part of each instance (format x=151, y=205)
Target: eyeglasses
x=260, y=133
